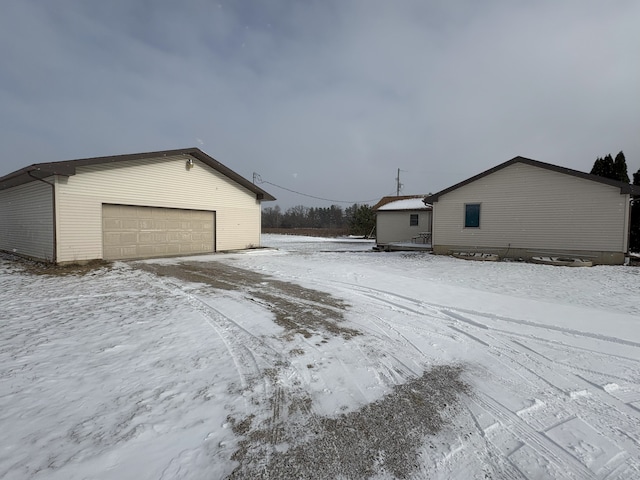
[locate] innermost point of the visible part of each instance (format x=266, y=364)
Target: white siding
x=160, y=182
x=533, y=208
x=26, y=220
x=394, y=226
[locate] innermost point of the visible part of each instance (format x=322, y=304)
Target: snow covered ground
x=320, y=358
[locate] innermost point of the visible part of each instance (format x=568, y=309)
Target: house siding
x=393, y=225
x=531, y=208
x=26, y=220
x=153, y=182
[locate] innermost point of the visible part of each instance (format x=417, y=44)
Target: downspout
x=53, y=200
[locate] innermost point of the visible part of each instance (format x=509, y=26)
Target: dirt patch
x=46, y=268
x=386, y=435
x=298, y=309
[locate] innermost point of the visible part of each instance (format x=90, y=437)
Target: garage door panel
x=112, y=223
x=148, y=237
x=142, y=232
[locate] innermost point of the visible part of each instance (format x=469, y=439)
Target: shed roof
x=406, y=204
x=624, y=187
x=413, y=202
x=67, y=168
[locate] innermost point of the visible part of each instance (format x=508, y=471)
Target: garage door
x=130, y=232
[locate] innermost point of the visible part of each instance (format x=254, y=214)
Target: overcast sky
x=325, y=97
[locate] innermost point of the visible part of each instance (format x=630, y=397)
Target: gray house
x=524, y=208
x=402, y=219
x=166, y=203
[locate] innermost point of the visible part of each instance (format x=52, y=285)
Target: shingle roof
x=68, y=168
x=624, y=187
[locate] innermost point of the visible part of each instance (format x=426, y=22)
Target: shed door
x=131, y=232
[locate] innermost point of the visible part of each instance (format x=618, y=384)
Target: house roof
x=401, y=202
x=624, y=187
x=67, y=168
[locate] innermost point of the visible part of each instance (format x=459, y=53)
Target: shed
x=524, y=208
x=165, y=203
x=402, y=219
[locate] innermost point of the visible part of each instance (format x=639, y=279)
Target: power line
x=257, y=178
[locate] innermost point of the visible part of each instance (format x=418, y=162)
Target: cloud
x=342, y=92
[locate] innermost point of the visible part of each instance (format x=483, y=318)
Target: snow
x=406, y=204
x=121, y=373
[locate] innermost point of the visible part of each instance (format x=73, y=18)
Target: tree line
x=616, y=169
x=355, y=219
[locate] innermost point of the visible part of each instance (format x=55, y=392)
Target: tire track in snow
x=240, y=343
x=507, y=470
x=540, y=369
x=260, y=368
x=423, y=312
x=569, y=383
x=569, y=379
x=561, y=460
x=458, y=316
x=529, y=437
x=418, y=307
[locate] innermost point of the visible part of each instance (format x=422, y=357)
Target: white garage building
x=168, y=203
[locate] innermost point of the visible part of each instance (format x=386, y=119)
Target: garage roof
x=67, y=168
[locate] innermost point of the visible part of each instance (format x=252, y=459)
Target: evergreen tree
x=363, y=220
x=597, y=167
x=607, y=168
x=620, y=168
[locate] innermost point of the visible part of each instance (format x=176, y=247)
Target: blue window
x=472, y=215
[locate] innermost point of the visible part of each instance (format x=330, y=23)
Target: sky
x=327, y=98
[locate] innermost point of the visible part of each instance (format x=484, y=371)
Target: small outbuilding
x=524, y=208
x=402, y=219
x=144, y=205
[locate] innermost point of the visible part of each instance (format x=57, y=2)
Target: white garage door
x=130, y=232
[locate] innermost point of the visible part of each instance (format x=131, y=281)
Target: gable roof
x=67, y=168
x=384, y=201
x=624, y=187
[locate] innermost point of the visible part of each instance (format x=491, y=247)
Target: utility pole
x=398, y=184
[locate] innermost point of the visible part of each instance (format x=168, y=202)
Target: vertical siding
x=394, y=226
x=161, y=182
x=529, y=207
x=26, y=220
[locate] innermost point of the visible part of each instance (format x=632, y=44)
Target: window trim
x=467, y=213
x=417, y=218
